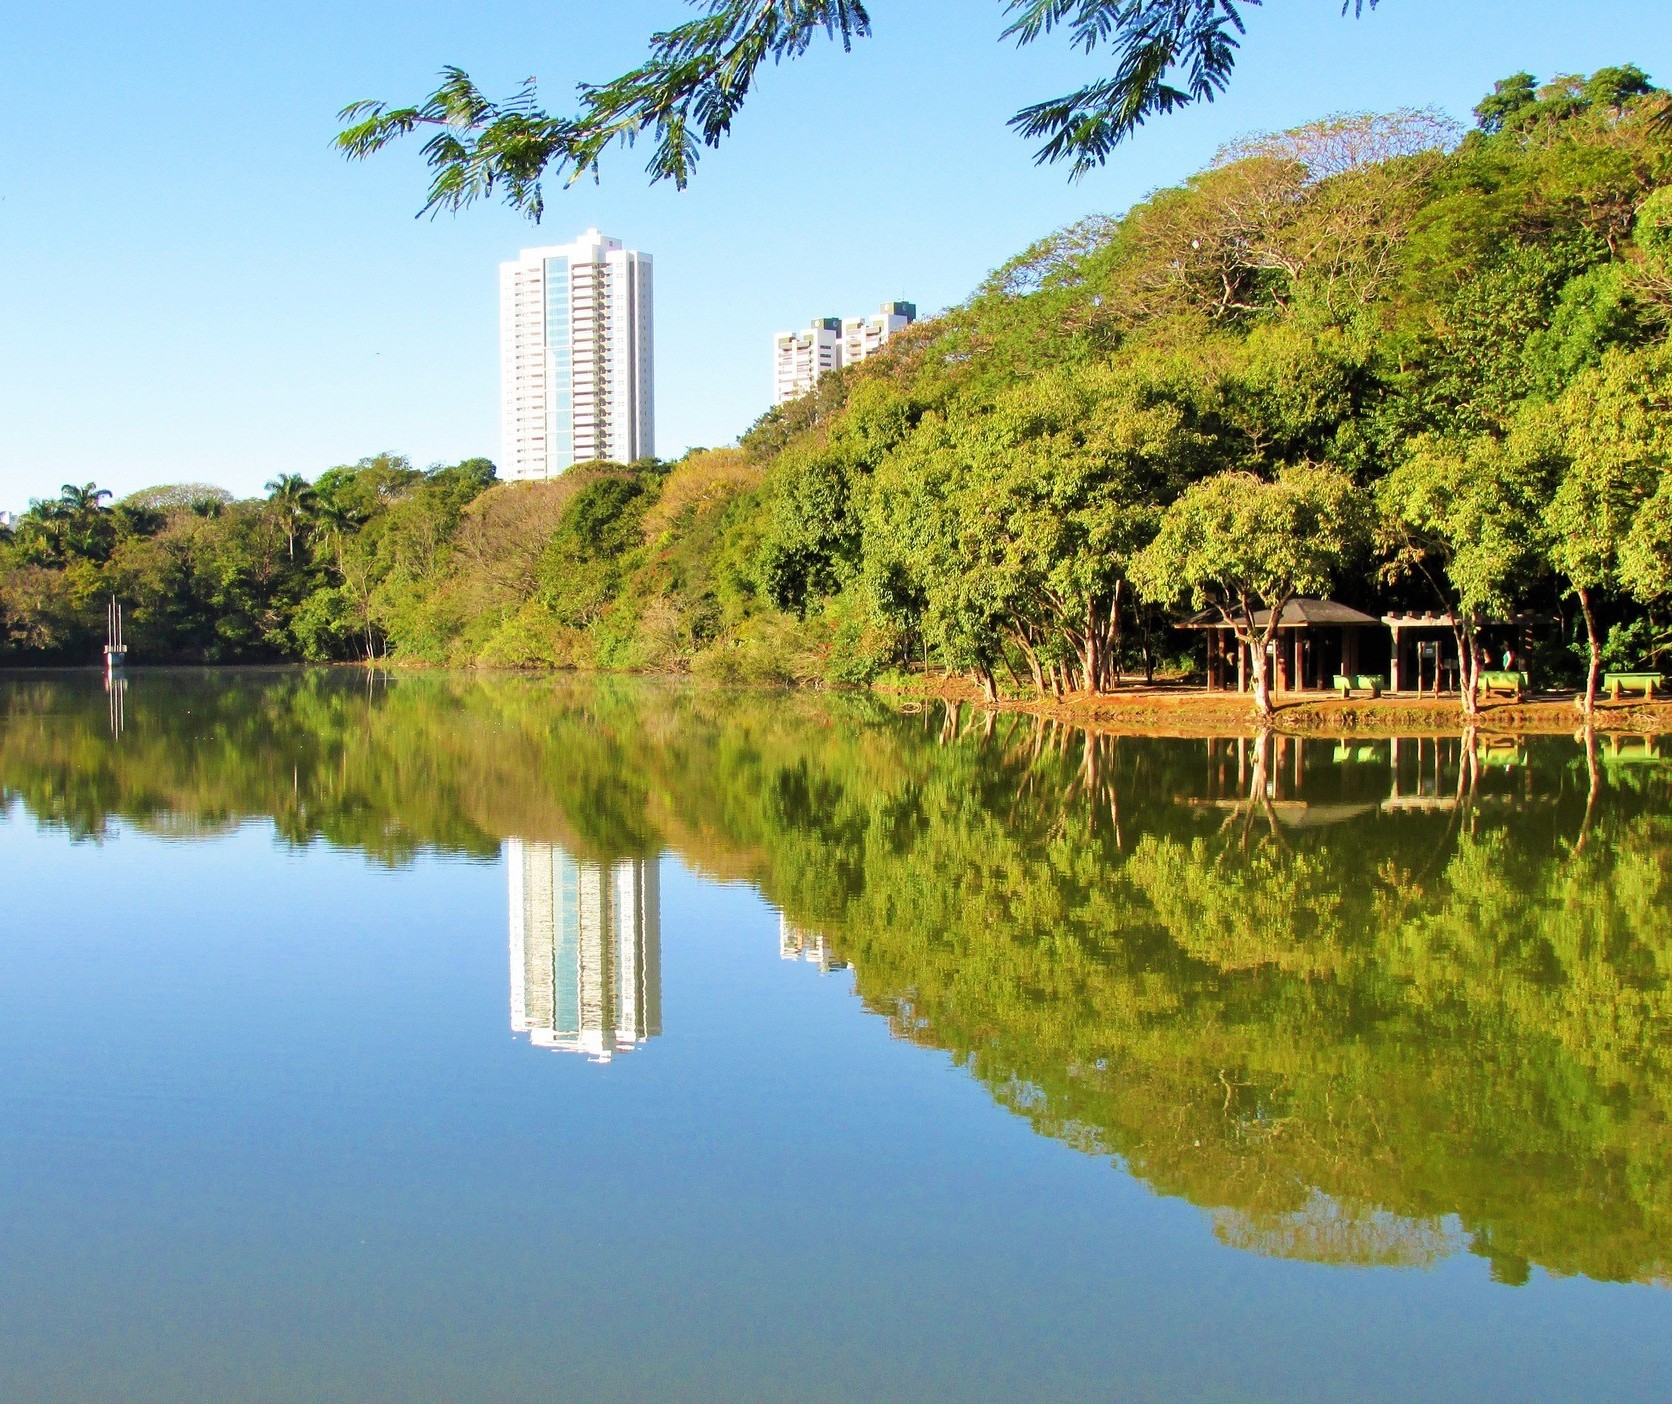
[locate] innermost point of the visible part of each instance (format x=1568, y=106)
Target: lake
x=441, y=1038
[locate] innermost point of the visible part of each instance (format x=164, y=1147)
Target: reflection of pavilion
x=586, y=951
x=1311, y=784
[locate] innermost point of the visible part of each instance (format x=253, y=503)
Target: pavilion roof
x=1300, y=613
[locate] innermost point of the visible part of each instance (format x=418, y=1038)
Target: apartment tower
x=799, y=358
x=576, y=366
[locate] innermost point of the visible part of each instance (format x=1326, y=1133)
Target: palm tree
x=295, y=499
x=337, y=522
x=81, y=520
x=89, y=497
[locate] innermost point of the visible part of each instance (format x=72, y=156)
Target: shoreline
x=1162, y=708
x=1154, y=709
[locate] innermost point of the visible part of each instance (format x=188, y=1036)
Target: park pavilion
x=1316, y=640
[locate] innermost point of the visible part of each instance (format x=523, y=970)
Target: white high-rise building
x=865, y=336
x=576, y=364
x=586, y=945
x=800, y=358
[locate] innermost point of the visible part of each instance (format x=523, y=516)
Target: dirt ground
x=1164, y=709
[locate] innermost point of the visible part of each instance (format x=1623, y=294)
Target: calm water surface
x=447, y=1039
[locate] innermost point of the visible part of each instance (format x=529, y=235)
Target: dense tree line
x=1376, y=355
x=300, y=574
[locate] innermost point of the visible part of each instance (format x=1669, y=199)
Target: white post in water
x=116, y=649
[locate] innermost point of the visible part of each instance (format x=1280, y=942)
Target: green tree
x=293, y=498
x=1646, y=556
x=1614, y=451
x=1237, y=543
x=1508, y=97
x=1464, y=520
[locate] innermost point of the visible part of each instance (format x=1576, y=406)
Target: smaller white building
x=799, y=358
x=798, y=943
x=865, y=336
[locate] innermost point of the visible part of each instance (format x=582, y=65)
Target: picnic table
x=1646, y=683
x=1496, y=681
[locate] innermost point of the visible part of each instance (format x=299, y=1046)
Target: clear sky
x=194, y=286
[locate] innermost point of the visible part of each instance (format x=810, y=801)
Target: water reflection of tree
x=1363, y=1005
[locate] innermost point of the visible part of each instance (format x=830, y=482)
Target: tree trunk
x=1262, y=675
x=1468, y=667
x=1594, y=669
x=1262, y=681
x=1090, y=663
x=1035, y=667
x=1112, y=661
x=1594, y=775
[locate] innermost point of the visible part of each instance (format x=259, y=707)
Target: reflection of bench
x=1361, y=752
x=1496, y=683
x=1630, y=750
x=1371, y=684
x=1499, y=750
x=1646, y=683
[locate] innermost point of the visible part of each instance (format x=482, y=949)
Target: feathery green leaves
x=694, y=81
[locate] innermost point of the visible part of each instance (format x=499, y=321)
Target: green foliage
x=1462, y=518
x=1166, y=54
x=1508, y=97
x=1236, y=543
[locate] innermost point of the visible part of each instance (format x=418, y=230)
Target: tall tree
x=1464, y=519
x=293, y=497
x=1239, y=545
x=1615, y=449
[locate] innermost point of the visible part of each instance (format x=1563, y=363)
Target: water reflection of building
x=586, y=951
x=797, y=943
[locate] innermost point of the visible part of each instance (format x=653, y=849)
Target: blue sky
x=193, y=286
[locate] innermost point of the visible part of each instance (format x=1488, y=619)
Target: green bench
x=1646, y=683
x=1495, y=681
x=1369, y=683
